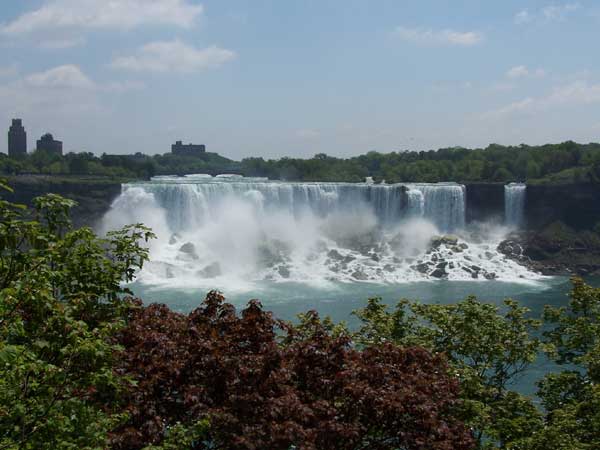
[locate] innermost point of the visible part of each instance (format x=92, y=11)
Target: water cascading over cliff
x=514, y=204
x=255, y=229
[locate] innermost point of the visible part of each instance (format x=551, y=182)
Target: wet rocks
x=421, y=267
x=359, y=275
x=448, y=240
x=272, y=252
x=211, y=271
x=439, y=273
x=335, y=255
x=284, y=271
x=188, y=252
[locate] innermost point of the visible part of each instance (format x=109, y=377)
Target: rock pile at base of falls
x=555, y=250
x=440, y=258
x=187, y=252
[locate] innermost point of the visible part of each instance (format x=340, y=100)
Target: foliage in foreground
x=81, y=367
x=260, y=384
x=490, y=348
x=59, y=309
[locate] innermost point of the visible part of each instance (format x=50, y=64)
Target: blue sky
x=279, y=78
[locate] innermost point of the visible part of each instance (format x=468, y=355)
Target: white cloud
x=559, y=12
x=63, y=94
x=517, y=72
x=523, y=17
x=66, y=76
x=575, y=94
x=439, y=37
x=173, y=56
x=123, y=86
x=525, y=72
x=550, y=13
x=104, y=14
x=70, y=76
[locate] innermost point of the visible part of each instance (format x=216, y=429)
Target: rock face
x=555, y=250
x=93, y=195
x=485, y=201
x=575, y=205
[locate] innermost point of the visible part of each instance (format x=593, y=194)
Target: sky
x=276, y=78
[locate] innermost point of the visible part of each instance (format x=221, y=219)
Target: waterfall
x=514, y=204
x=441, y=203
x=189, y=201
x=234, y=230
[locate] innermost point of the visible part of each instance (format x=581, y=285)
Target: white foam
x=236, y=233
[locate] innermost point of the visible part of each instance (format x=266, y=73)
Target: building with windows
x=17, y=139
x=187, y=149
x=49, y=144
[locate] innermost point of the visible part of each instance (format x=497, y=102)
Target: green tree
x=572, y=397
x=60, y=305
x=487, y=349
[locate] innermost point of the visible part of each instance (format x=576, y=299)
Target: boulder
x=439, y=273
x=335, y=255
x=423, y=267
x=284, y=271
x=359, y=275
x=211, y=271
x=272, y=252
x=188, y=251
x=450, y=239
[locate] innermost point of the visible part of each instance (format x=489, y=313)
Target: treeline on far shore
x=567, y=162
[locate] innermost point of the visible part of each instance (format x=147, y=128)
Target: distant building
x=17, y=139
x=48, y=144
x=187, y=149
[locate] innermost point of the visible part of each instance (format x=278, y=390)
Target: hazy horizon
x=272, y=79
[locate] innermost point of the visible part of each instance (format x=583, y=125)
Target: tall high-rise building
x=17, y=139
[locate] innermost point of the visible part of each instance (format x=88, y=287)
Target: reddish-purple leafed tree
x=262, y=384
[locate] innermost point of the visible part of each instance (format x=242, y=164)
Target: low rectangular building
x=49, y=144
x=178, y=148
